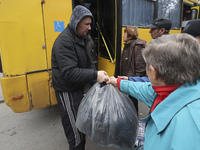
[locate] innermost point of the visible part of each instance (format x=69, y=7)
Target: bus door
x=109, y=37
x=56, y=15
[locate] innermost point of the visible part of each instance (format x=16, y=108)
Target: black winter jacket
x=72, y=66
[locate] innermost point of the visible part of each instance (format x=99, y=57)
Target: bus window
x=141, y=13
x=137, y=13
x=170, y=9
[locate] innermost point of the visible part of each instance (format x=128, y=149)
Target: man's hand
x=102, y=76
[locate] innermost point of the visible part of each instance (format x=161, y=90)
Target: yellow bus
x=29, y=28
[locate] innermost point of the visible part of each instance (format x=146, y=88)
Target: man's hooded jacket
x=72, y=65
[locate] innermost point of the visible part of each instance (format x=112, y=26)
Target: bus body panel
x=38, y=84
x=21, y=37
x=189, y=2
x=16, y=86
x=28, y=30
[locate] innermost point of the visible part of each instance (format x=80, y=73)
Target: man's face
x=84, y=26
x=156, y=32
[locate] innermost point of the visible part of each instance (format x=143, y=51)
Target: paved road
x=38, y=130
x=34, y=130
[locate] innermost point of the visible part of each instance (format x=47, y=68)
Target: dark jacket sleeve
x=139, y=79
x=140, y=65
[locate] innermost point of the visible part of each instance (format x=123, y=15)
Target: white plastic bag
x=108, y=117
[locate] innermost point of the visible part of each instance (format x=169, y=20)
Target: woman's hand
x=112, y=81
x=123, y=77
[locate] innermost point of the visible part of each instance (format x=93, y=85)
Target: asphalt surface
x=39, y=129
x=35, y=130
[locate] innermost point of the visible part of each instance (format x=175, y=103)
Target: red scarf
x=163, y=92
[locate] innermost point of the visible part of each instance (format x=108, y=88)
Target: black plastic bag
x=108, y=117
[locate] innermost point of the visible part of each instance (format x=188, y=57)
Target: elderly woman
x=173, y=93
x=132, y=62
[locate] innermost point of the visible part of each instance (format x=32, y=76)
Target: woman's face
x=153, y=76
x=126, y=38
x=150, y=74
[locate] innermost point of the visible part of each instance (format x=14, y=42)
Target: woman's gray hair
x=175, y=57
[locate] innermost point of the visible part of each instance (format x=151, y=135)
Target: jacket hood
x=78, y=13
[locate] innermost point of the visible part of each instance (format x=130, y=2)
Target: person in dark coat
x=72, y=71
x=132, y=62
